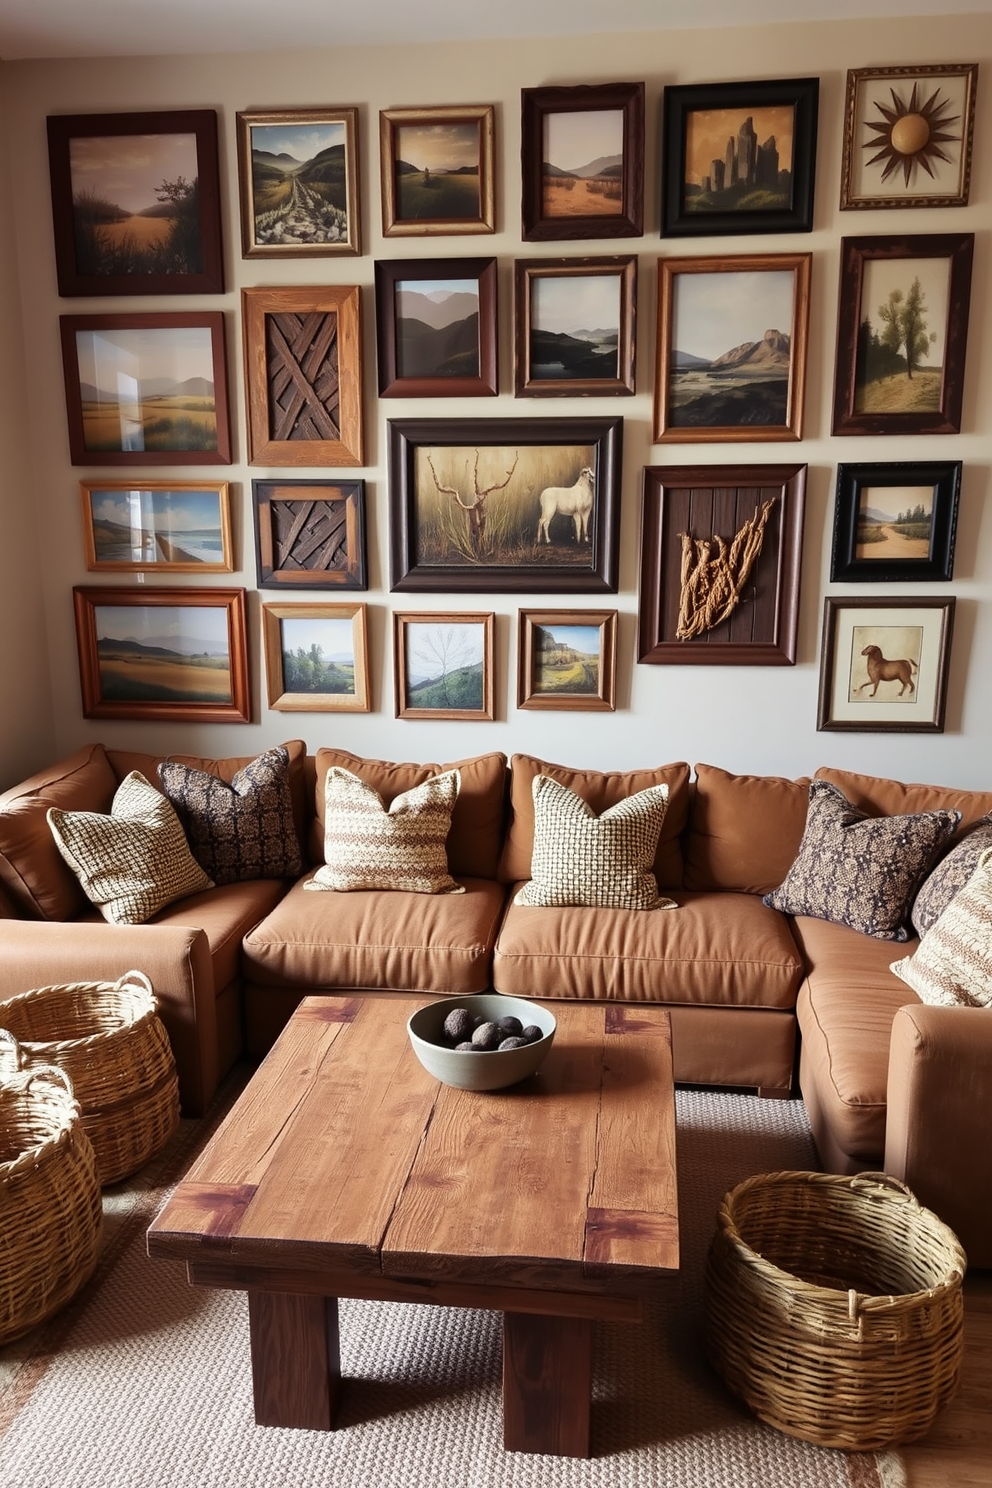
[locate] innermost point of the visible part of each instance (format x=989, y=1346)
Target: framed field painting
x=136, y=203
x=443, y=665
x=567, y=660
x=582, y=160
x=168, y=526
x=310, y=534
x=721, y=548
x=163, y=655
x=731, y=348
x=146, y=389
x=902, y=330
x=316, y=658
x=908, y=135
x=298, y=172
x=437, y=173
x=303, y=375
x=884, y=665
x=575, y=326
x=739, y=157
x=505, y=504
x=895, y=523
x=436, y=327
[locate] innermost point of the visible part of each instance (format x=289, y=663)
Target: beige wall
x=745, y=718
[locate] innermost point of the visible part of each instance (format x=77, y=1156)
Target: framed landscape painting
x=436, y=327
x=567, y=660
x=575, y=326
x=163, y=655
x=316, y=657
x=146, y=389
x=171, y=526
x=908, y=135
x=310, y=534
x=443, y=665
x=731, y=348
x=298, y=171
x=895, y=523
x=436, y=167
x=582, y=158
x=902, y=330
x=136, y=203
x=884, y=665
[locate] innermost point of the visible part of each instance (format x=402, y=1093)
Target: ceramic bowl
x=467, y=1070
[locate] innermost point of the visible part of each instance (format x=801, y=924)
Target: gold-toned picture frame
x=443, y=665
x=908, y=134
x=316, y=657
x=567, y=660
x=157, y=526
x=436, y=170
x=298, y=178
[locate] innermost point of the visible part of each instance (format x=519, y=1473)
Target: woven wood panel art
x=301, y=353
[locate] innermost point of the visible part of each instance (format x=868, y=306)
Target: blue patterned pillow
x=239, y=831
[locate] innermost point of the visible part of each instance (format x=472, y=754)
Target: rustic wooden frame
x=714, y=500
x=389, y=274
x=934, y=617
x=527, y=273
x=310, y=534
x=529, y=691
x=313, y=120
x=944, y=479
x=391, y=121
x=857, y=126
x=310, y=340
x=87, y=599
x=536, y=105
x=284, y=700
x=90, y=490
x=405, y=707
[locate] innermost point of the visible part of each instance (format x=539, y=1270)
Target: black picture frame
x=441, y=543
x=429, y=379
x=928, y=557
x=537, y=107
x=739, y=101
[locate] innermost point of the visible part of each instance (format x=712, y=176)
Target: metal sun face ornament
x=912, y=133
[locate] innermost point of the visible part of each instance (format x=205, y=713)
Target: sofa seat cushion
x=372, y=938
x=712, y=950
x=845, y=1009
x=225, y=914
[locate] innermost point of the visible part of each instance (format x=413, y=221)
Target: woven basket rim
x=131, y=982
x=59, y=1099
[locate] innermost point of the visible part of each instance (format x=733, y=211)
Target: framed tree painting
x=895, y=523
x=436, y=167
x=136, y=203
x=436, y=327
x=567, y=660
x=316, y=658
x=582, y=158
x=298, y=171
x=575, y=326
x=443, y=665
x=908, y=135
x=884, y=665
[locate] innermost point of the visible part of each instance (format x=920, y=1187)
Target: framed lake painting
x=436, y=327
x=567, y=660
x=443, y=665
x=316, y=657
x=436, y=167
x=575, y=326
x=895, y=523
x=582, y=159
x=169, y=526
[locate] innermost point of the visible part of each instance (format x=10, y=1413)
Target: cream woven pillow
x=404, y=848
x=133, y=862
x=952, y=965
x=601, y=861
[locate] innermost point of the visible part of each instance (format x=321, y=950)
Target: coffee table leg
x=547, y=1384
x=295, y=1362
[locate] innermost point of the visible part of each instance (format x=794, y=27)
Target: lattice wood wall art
x=303, y=375
x=310, y=534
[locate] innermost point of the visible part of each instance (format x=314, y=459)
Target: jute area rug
x=145, y=1382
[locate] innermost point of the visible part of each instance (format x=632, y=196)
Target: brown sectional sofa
x=887, y=1081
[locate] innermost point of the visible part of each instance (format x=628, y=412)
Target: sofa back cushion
x=744, y=831
x=39, y=884
x=880, y=797
x=476, y=834
x=600, y=791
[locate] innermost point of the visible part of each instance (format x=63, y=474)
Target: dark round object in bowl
x=458, y=1025
x=531, y=1033
x=466, y=1047
x=493, y=1069
x=513, y=1041
x=509, y=1026
x=486, y=1036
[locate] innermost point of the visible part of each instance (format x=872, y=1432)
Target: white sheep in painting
x=571, y=501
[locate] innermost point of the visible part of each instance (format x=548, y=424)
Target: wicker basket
x=834, y=1307
x=50, y=1209
x=112, y=1045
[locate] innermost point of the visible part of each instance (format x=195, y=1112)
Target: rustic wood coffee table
x=346, y=1170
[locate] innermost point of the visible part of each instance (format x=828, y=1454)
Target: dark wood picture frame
x=746, y=348
x=506, y=545
x=895, y=691
x=106, y=679
x=435, y=344
x=925, y=536
x=303, y=375
x=283, y=697
x=141, y=417
x=686, y=511
x=586, y=380
x=583, y=686
x=740, y=102
x=310, y=534
x=433, y=213
x=78, y=248
x=135, y=532
x=452, y=665
x=857, y=255
x=909, y=162
x=321, y=218
x=537, y=106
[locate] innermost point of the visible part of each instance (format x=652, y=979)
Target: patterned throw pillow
x=602, y=861
x=368, y=847
x=242, y=830
x=860, y=870
x=950, y=875
x=952, y=965
x=133, y=862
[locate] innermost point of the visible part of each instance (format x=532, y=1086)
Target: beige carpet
x=144, y=1382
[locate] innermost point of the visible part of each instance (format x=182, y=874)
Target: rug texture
x=145, y=1381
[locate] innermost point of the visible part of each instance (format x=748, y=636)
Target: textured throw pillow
x=242, y=830
x=404, y=848
x=602, y=861
x=133, y=862
x=950, y=875
x=952, y=965
x=860, y=870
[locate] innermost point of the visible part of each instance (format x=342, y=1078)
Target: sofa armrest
x=175, y=958
x=936, y=1129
